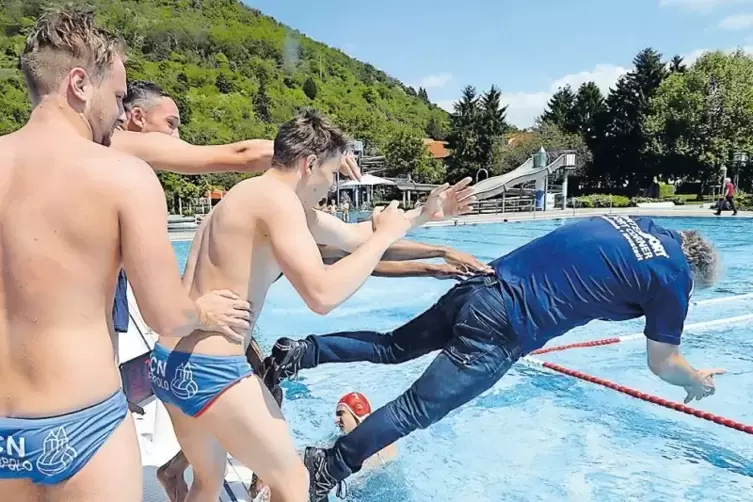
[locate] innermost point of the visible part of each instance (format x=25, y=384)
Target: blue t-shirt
x=606, y=267
x=120, y=315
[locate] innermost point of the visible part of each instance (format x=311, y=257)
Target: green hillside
x=235, y=73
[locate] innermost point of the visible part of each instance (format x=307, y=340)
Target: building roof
x=437, y=149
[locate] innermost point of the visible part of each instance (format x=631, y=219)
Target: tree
x=544, y=134
x=699, y=117
x=587, y=110
x=463, y=137
x=559, y=109
x=491, y=126
x=406, y=154
x=621, y=158
x=423, y=94
x=677, y=65
x=435, y=129
x=309, y=88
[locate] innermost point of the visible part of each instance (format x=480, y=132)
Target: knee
x=291, y=485
x=208, y=483
x=421, y=414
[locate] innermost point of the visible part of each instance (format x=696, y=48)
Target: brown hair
x=62, y=39
x=309, y=133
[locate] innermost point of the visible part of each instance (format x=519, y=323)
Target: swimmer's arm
x=322, y=288
x=148, y=257
x=167, y=153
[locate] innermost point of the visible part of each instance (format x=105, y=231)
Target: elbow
x=320, y=299
x=320, y=304
x=657, y=366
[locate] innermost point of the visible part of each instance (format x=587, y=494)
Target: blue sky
x=528, y=48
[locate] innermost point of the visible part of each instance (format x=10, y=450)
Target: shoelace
x=325, y=482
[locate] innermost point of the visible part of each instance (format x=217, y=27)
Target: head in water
x=351, y=410
x=78, y=66
x=702, y=257
x=150, y=109
x=312, y=148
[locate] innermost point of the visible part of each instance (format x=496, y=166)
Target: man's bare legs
x=246, y=422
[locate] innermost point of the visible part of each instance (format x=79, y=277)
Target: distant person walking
x=728, y=196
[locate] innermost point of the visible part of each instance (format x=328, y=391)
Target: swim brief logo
x=645, y=246
x=57, y=454
x=183, y=385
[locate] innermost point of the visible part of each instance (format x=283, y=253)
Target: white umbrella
x=367, y=180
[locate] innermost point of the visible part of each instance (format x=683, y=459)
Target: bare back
x=59, y=236
x=230, y=251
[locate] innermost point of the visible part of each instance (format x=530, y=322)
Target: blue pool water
x=538, y=435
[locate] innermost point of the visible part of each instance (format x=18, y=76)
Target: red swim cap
x=356, y=403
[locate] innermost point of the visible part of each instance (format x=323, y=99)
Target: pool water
x=538, y=435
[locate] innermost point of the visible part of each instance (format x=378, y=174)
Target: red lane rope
x=650, y=398
x=592, y=343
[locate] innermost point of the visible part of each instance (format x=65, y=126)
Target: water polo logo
x=57, y=454
x=183, y=385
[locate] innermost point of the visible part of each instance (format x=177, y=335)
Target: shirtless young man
x=64, y=427
x=459, y=265
x=262, y=228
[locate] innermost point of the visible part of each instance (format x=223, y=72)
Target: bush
x=666, y=190
x=601, y=200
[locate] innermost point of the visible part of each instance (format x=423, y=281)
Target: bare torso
x=230, y=251
x=59, y=238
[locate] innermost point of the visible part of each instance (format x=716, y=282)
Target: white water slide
x=527, y=172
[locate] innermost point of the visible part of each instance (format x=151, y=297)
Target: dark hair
x=309, y=133
x=62, y=39
x=140, y=93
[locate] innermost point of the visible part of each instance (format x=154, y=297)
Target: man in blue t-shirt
x=608, y=267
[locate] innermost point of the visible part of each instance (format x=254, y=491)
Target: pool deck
x=477, y=219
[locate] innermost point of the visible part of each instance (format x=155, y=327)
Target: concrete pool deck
x=477, y=219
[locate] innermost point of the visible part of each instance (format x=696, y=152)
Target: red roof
x=437, y=149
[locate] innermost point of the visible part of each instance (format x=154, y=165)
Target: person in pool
x=610, y=268
x=352, y=409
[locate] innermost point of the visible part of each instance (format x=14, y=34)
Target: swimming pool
x=538, y=435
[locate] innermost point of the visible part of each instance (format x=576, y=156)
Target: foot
x=284, y=361
x=734, y=214
x=321, y=482
x=174, y=484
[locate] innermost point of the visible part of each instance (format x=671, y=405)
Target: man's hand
x=703, y=385
x=224, y=312
x=349, y=167
x=448, y=271
x=447, y=201
x=467, y=264
x=257, y=154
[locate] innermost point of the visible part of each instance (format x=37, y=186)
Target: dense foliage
x=665, y=120
x=235, y=73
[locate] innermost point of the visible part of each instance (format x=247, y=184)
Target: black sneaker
x=321, y=482
x=284, y=361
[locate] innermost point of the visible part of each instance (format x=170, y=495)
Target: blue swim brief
x=192, y=382
x=51, y=450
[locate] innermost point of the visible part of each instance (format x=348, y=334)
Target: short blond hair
x=62, y=39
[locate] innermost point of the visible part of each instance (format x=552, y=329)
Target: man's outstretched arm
x=397, y=269
x=168, y=153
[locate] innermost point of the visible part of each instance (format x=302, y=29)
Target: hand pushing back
x=225, y=312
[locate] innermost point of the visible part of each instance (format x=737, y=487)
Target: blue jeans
x=470, y=326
